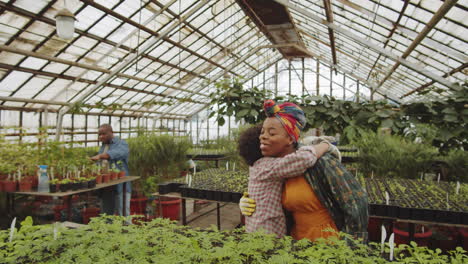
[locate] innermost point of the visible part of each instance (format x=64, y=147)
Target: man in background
x=114, y=151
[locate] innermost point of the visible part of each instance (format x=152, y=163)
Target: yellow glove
x=247, y=205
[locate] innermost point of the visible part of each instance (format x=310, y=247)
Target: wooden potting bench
x=124, y=180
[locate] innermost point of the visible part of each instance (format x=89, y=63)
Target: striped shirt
x=266, y=179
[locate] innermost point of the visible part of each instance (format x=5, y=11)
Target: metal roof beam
x=73, y=78
x=444, y=9
x=50, y=102
x=370, y=45
x=410, y=32
x=329, y=14
x=90, y=67
x=151, y=32
x=150, y=43
x=395, y=25
x=422, y=87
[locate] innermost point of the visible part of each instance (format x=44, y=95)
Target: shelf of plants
x=418, y=200
x=408, y=199
x=110, y=240
x=212, y=184
x=201, y=153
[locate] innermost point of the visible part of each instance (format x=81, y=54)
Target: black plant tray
x=206, y=156
x=212, y=195
x=169, y=187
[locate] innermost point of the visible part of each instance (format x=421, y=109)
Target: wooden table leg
x=124, y=190
x=184, y=216
x=411, y=231
x=69, y=211
x=218, y=216
x=160, y=213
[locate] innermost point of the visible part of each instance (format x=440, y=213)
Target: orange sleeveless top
x=310, y=217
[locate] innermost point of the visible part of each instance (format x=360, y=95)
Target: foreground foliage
x=107, y=240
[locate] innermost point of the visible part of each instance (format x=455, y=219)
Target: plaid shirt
x=266, y=179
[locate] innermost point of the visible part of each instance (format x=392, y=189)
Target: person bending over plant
x=113, y=152
x=280, y=176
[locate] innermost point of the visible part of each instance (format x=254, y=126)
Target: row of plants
x=447, y=118
x=418, y=199
x=110, y=240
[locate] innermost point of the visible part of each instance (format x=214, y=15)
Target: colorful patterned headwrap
x=291, y=116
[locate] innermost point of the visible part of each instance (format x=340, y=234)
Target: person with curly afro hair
x=249, y=144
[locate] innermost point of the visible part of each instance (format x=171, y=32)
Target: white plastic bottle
x=43, y=179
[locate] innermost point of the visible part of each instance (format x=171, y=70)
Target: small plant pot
x=75, y=186
x=404, y=213
x=380, y=210
x=170, y=208
x=374, y=228
x=65, y=187
x=464, y=218
x=105, y=178
x=210, y=195
x=92, y=183
x=25, y=186
x=183, y=191
x=236, y=197
x=218, y=196
x=87, y=213
x=138, y=205
x=121, y=174
x=193, y=193
x=35, y=182
x=392, y=211
x=98, y=179
x=226, y=196
x=164, y=188
x=175, y=186
x=114, y=175
x=372, y=209
x=402, y=236
x=201, y=194
x=10, y=186
x=53, y=188
x=464, y=237
x=84, y=185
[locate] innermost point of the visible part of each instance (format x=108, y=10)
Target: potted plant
x=91, y=182
x=24, y=182
x=65, y=185
x=105, y=177
x=54, y=185
x=114, y=172
x=89, y=212
x=421, y=234
x=121, y=171
x=10, y=184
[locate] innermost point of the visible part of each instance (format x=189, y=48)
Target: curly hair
x=249, y=144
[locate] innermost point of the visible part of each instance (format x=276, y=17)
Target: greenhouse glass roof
x=161, y=57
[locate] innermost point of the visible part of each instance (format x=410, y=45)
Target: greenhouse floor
x=204, y=215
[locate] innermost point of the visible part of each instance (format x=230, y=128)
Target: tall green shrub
x=393, y=156
x=155, y=157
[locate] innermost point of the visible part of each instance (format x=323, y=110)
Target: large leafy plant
x=155, y=157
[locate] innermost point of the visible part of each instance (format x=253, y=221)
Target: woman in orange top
x=310, y=216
